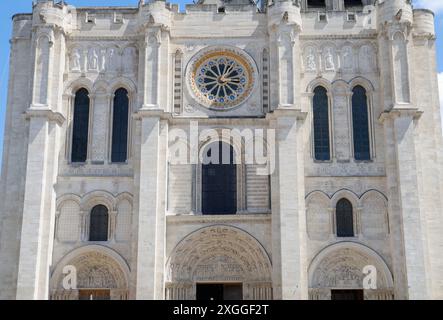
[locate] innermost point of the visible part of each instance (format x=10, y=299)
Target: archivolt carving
x=95, y=267
x=219, y=253
x=341, y=266
x=96, y=270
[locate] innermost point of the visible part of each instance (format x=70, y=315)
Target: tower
x=413, y=143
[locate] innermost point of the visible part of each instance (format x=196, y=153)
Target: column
x=342, y=127
x=151, y=74
x=288, y=217
x=151, y=215
x=44, y=41
x=101, y=111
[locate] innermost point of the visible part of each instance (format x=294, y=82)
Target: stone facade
x=283, y=242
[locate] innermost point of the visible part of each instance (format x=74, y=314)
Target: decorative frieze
x=347, y=57
x=105, y=58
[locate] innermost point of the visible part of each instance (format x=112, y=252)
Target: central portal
x=219, y=291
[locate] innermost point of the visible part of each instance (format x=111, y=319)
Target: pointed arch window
x=120, y=118
x=98, y=225
x=321, y=125
x=360, y=124
x=344, y=218
x=80, y=125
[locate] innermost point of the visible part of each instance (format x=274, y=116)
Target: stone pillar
x=284, y=26
x=341, y=112
x=288, y=209
x=407, y=243
x=100, y=127
x=152, y=211
x=151, y=71
x=44, y=41
x=285, y=68
x=39, y=205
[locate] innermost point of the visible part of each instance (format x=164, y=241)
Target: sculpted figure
x=75, y=60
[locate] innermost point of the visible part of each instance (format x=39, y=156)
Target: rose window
x=222, y=79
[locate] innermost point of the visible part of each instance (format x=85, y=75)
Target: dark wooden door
x=220, y=291
x=209, y=292
x=233, y=291
x=347, y=295
x=219, y=183
x=98, y=294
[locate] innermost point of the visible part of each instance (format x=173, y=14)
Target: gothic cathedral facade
x=112, y=186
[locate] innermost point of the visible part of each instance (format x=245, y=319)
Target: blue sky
x=9, y=8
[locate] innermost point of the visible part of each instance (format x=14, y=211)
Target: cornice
x=48, y=113
x=191, y=219
x=369, y=36
x=104, y=38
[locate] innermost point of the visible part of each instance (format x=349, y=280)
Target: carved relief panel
x=88, y=58
x=347, y=57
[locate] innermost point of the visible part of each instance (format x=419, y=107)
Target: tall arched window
x=219, y=180
x=80, y=125
x=120, y=126
x=321, y=124
x=344, y=218
x=98, y=225
x=360, y=124
x=353, y=3
x=316, y=3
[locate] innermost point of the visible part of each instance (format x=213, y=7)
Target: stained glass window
x=316, y=3
x=120, y=126
x=344, y=219
x=353, y=3
x=98, y=227
x=80, y=126
x=360, y=124
x=321, y=124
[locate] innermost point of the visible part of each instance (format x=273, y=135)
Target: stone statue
x=111, y=63
x=311, y=65
x=75, y=60
x=102, y=60
x=348, y=58
x=93, y=59
x=329, y=60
